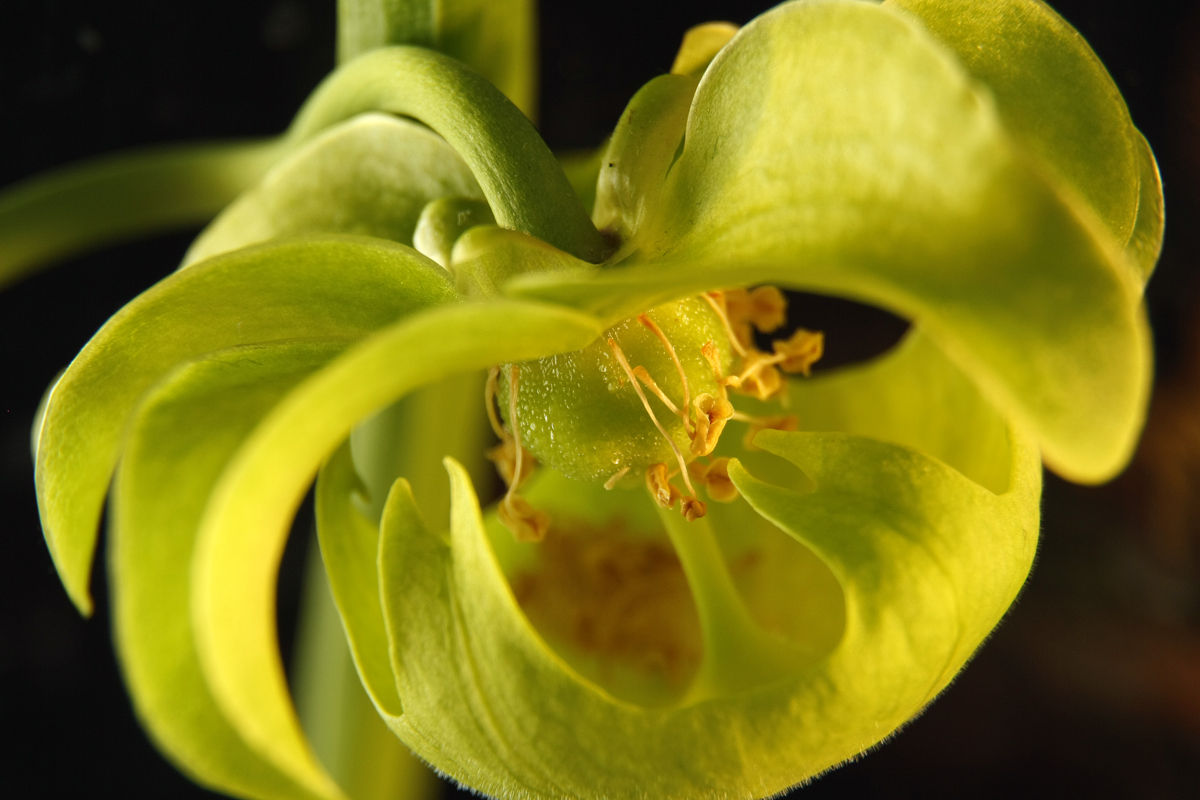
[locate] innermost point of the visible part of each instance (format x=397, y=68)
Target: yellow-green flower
x=810, y=567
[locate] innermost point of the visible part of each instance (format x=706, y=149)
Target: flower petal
x=835, y=146
x=928, y=559
x=249, y=513
x=335, y=288
x=370, y=176
x=185, y=431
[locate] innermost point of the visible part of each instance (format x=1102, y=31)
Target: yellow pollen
x=758, y=377
x=692, y=508
x=711, y=415
x=799, y=352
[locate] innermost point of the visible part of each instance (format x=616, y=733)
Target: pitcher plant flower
x=708, y=574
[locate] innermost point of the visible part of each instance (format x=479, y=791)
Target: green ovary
x=579, y=414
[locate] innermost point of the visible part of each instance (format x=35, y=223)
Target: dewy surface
x=707, y=579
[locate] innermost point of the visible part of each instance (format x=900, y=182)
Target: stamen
x=692, y=508
x=765, y=308
x=504, y=456
x=711, y=415
x=758, y=377
x=489, y=402
x=526, y=523
x=659, y=484
x=715, y=477
x=786, y=422
x=612, y=482
x=662, y=337
x=709, y=351
x=711, y=297
x=645, y=378
x=620, y=356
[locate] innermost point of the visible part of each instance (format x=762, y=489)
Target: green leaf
x=248, y=517
x=370, y=176
x=835, y=147
x=114, y=198
x=1145, y=243
x=185, y=431
x=330, y=288
x=495, y=37
x=927, y=559
x=520, y=178
x=1052, y=94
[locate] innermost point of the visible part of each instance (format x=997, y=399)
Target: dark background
x=1089, y=689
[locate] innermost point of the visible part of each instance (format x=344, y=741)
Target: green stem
x=738, y=654
x=522, y=181
x=356, y=747
x=117, y=197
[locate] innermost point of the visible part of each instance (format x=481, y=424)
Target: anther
x=711, y=415
x=765, y=308
x=692, y=508
x=715, y=478
x=788, y=422
x=799, y=352
x=758, y=377
x=659, y=484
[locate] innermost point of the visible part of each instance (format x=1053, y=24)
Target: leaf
x=329, y=288
x=249, y=513
x=185, y=431
x=370, y=176
x=118, y=197
x=496, y=37
x=520, y=178
x=928, y=562
x=834, y=147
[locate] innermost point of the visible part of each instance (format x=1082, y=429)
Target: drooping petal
x=838, y=147
x=370, y=176
x=249, y=513
x=185, y=431
x=329, y=288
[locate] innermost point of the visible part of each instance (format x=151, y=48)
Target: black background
x=1091, y=687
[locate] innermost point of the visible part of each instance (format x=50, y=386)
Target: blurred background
x=1089, y=689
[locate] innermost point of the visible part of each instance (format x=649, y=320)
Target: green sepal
x=119, y=197
x=520, y=178
x=185, y=430
x=313, y=287
x=369, y=176
x=496, y=37
x=932, y=214
x=249, y=512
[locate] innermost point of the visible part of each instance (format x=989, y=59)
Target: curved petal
x=185, y=431
x=835, y=146
x=1052, y=93
x=118, y=197
x=330, y=288
x=249, y=513
x=928, y=560
x=370, y=176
